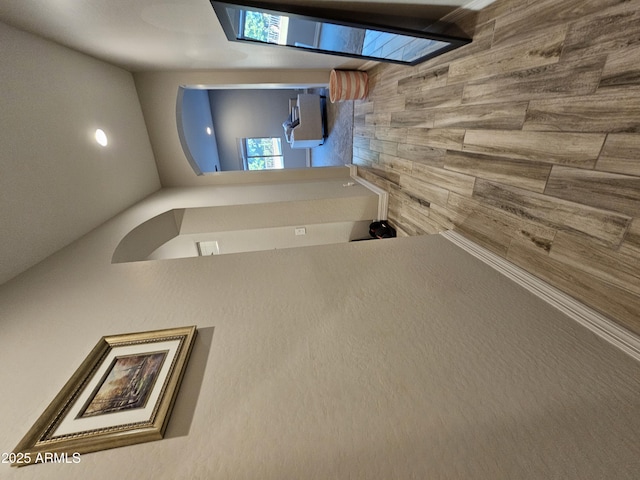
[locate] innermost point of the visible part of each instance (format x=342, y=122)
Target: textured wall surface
x=56, y=182
x=253, y=207
x=400, y=358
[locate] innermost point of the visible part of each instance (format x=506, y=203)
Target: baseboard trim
x=383, y=196
x=605, y=328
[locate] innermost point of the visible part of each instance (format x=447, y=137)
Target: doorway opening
x=214, y=125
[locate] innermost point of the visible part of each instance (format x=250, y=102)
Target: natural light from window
x=262, y=153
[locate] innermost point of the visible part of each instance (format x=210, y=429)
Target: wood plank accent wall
x=526, y=141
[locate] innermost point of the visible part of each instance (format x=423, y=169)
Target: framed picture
x=367, y=36
x=121, y=394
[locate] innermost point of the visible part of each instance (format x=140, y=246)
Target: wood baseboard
x=602, y=326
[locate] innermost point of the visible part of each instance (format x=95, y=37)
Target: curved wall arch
x=140, y=242
x=196, y=131
x=332, y=211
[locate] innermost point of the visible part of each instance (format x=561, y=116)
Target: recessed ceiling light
x=101, y=137
x=209, y=130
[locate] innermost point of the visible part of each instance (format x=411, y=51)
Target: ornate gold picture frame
x=121, y=394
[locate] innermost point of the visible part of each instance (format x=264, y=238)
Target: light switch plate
x=301, y=231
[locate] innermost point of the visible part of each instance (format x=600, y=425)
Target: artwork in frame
x=122, y=394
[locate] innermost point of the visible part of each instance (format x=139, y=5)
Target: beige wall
x=268, y=238
x=158, y=93
x=56, y=183
x=400, y=358
x=258, y=217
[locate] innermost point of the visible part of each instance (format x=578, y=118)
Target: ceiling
x=145, y=35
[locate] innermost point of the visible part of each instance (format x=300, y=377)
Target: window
x=262, y=153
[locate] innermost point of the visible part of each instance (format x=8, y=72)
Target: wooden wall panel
x=494, y=115
x=536, y=50
x=605, y=226
x=621, y=154
x=549, y=81
x=518, y=173
x=384, y=146
x=613, y=110
x=423, y=190
x=612, y=266
x=422, y=154
x=543, y=12
x=631, y=243
x=612, y=28
x=448, y=138
x=526, y=141
x=611, y=191
x=576, y=149
x=622, y=68
x=450, y=180
x=446, y=96
x=413, y=118
x=434, y=77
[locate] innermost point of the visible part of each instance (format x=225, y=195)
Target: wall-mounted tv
x=332, y=32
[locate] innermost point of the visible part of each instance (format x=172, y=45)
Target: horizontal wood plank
x=621, y=154
x=370, y=176
x=609, y=191
x=384, y=174
x=531, y=15
x=390, y=104
x=365, y=131
x=431, y=78
x=498, y=227
x=576, y=149
x=622, y=68
x=549, y=81
x=631, y=243
x=422, y=154
x=391, y=134
x=413, y=118
x=536, y=50
x=366, y=154
x=448, y=138
x=608, y=30
x=607, y=227
x=393, y=163
x=362, y=108
x=613, y=110
x=611, y=266
x=423, y=190
x=377, y=119
x=446, y=96
x=501, y=116
x=361, y=142
x=518, y=173
x=450, y=180
x=384, y=146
